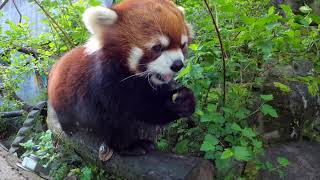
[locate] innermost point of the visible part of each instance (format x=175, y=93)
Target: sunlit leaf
x=227, y=153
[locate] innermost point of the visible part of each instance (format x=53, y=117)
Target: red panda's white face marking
x=148, y=36
x=162, y=67
x=162, y=40
x=134, y=58
x=184, y=39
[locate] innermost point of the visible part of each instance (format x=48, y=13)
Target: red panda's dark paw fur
x=105, y=152
x=183, y=102
x=139, y=148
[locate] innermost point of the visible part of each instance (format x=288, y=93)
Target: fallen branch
x=11, y=114
x=155, y=166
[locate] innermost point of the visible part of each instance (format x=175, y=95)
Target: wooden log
x=153, y=166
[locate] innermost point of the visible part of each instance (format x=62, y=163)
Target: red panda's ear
x=182, y=10
x=96, y=18
x=190, y=32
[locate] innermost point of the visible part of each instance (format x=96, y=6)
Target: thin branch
x=25, y=106
x=55, y=23
x=3, y=4
x=223, y=54
x=29, y=51
x=20, y=15
x=207, y=94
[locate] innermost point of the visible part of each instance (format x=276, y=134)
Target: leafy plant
x=42, y=148
x=255, y=37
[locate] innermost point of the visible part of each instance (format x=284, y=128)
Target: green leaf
x=185, y=71
x=212, y=117
x=227, y=153
x=182, y=146
x=86, y=173
x=271, y=10
x=268, y=110
x=282, y=87
x=209, y=143
x=257, y=144
x=210, y=155
x=236, y=127
x=283, y=161
x=194, y=47
x=94, y=2
x=212, y=108
x=206, y=118
x=287, y=10
x=267, y=97
x=248, y=132
x=305, y=9
x=242, y=113
x=281, y=173
x=218, y=118
x=241, y=153
x=269, y=165
x=266, y=48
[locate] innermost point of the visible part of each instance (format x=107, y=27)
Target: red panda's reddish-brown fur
x=79, y=89
x=71, y=67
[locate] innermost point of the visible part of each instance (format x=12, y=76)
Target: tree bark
x=153, y=166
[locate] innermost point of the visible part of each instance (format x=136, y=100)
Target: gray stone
x=304, y=161
x=298, y=110
x=296, y=4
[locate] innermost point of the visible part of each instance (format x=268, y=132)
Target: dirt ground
x=9, y=170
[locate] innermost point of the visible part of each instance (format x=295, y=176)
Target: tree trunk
x=153, y=166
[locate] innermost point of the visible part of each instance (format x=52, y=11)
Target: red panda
x=120, y=82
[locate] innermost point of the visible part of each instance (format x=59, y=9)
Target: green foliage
x=22, y=52
x=254, y=39
x=43, y=148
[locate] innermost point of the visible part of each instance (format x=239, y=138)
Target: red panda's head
x=150, y=37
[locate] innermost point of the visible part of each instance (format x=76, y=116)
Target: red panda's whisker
x=134, y=75
x=151, y=83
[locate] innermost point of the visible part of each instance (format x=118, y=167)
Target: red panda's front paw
x=184, y=102
x=105, y=153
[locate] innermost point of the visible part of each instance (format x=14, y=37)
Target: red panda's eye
x=157, y=48
x=183, y=45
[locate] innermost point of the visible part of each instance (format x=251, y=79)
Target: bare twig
x=3, y=4
x=55, y=23
x=20, y=15
x=223, y=54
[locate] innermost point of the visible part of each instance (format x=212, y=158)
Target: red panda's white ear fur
x=189, y=26
x=96, y=18
x=182, y=10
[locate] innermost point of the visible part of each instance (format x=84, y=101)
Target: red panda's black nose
x=177, y=65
